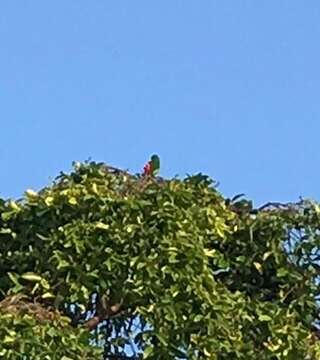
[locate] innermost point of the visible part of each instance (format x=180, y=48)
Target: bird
x=152, y=167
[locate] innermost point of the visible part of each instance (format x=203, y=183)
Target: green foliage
x=190, y=274
x=29, y=331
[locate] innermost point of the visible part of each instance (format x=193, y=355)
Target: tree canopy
x=103, y=264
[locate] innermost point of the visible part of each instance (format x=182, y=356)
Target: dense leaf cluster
x=30, y=331
x=156, y=269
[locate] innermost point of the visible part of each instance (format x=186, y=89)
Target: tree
x=105, y=264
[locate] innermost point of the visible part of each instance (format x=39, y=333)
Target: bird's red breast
x=147, y=169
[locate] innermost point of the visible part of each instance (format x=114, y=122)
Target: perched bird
x=152, y=167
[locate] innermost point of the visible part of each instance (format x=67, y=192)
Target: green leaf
x=47, y=295
x=72, y=201
x=258, y=266
x=265, y=318
x=100, y=225
x=31, y=277
x=147, y=352
x=282, y=272
x=14, y=278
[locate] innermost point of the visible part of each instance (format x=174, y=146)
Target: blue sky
x=229, y=88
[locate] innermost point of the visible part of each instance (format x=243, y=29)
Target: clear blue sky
x=229, y=88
